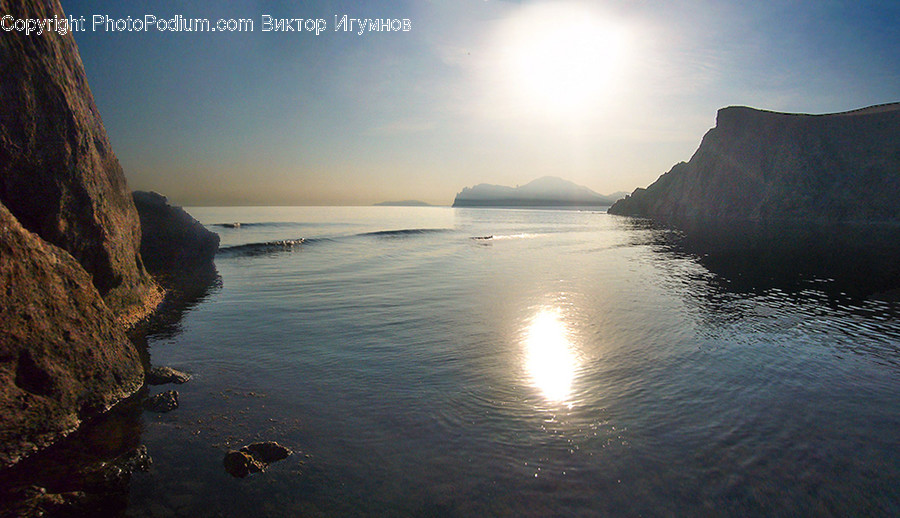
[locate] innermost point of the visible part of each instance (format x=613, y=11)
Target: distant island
x=548, y=191
x=403, y=203
x=763, y=166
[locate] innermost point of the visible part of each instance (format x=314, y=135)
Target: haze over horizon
x=608, y=95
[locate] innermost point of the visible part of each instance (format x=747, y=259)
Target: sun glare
x=550, y=361
x=559, y=58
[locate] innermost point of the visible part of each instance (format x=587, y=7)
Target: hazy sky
x=607, y=94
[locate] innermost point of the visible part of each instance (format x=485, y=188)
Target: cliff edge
x=71, y=271
x=764, y=166
x=59, y=176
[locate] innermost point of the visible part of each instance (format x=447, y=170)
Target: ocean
x=431, y=361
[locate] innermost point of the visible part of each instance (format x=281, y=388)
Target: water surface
x=437, y=361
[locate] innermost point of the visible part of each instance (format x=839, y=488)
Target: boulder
x=239, y=464
x=164, y=375
x=114, y=476
x=63, y=355
x=163, y=402
x=173, y=243
x=268, y=452
x=254, y=458
x=58, y=174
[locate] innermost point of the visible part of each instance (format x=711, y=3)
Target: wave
x=267, y=247
x=238, y=224
x=290, y=245
x=403, y=233
x=509, y=236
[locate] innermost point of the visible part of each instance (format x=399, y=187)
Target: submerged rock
x=100, y=489
x=115, y=475
x=37, y=501
x=254, y=458
x=240, y=464
x=162, y=403
x=163, y=375
x=268, y=452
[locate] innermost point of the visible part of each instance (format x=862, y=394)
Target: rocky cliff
x=63, y=355
x=764, y=166
x=59, y=176
x=71, y=273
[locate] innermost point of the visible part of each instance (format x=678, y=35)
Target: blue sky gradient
x=278, y=118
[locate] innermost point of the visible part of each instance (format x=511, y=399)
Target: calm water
x=574, y=364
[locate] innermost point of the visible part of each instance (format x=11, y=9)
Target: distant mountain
x=548, y=191
x=403, y=203
x=764, y=166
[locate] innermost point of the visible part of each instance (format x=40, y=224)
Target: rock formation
x=63, y=355
x=165, y=375
x=163, y=402
x=254, y=458
x=767, y=167
x=173, y=242
x=58, y=174
x=70, y=264
x=548, y=191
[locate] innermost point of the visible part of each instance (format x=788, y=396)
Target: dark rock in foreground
x=59, y=176
x=37, y=501
x=63, y=355
x=114, y=476
x=102, y=490
x=163, y=375
x=161, y=403
x=173, y=243
x=254, y=458
x=764, y=166
x=268, y=452
x=239, y=464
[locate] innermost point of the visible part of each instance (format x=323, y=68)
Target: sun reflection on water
x=549, y=357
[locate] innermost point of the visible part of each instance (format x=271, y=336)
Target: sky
x=607, y=94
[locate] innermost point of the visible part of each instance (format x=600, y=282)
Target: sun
x=559, y=58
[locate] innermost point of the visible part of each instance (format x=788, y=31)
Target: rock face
x=173, y=242
x=548, y=191
x=63, y=355
x=58, y=173
x=764, y=166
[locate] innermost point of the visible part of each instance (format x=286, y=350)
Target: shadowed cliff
x=764, y=166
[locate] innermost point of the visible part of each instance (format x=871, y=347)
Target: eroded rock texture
x=63, y=355
x=58, y=174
